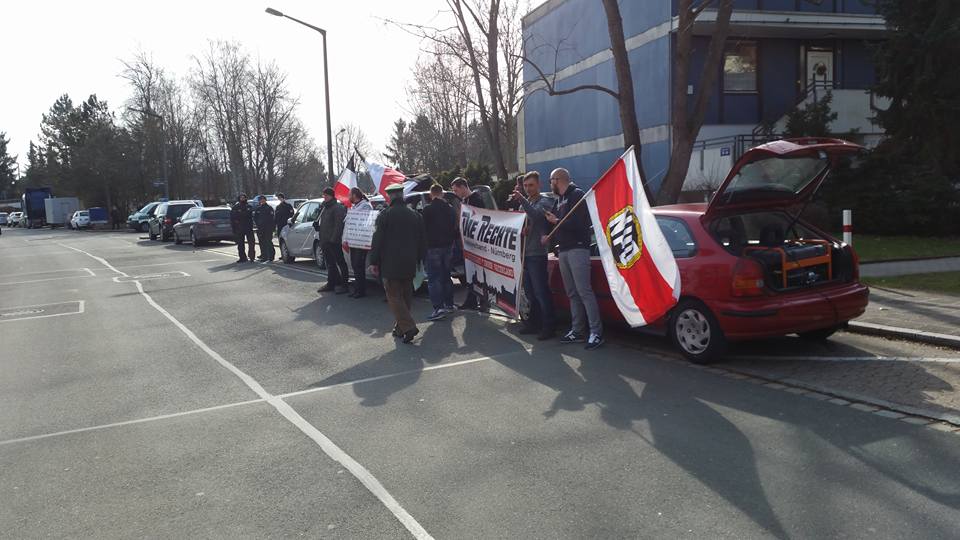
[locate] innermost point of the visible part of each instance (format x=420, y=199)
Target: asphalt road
x=153, y=390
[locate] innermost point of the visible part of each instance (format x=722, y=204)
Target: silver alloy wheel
x=318, y=257
x=693, y=331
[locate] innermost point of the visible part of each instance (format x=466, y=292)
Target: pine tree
x=8, y=165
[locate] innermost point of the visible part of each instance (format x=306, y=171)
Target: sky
x=65, y=46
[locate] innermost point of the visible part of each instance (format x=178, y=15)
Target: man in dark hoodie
x=282, y=213
x=241, y=221
x=330, y=228
x=573, y=237
x=263, y=217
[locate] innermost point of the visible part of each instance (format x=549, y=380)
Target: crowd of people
x=403, y=239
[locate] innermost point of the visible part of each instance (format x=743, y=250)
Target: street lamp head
x=272, y=11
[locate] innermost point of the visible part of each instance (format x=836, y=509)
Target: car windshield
x=775, y=176
x=84, y=214
x=147, y=208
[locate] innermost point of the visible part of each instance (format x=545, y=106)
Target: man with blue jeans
x=542, y=320
x=573, y=237
x=440, y=222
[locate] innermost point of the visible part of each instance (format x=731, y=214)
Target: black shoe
x=572, y=337
x=326, y=288
x=410, y=334
x=594, y=342
x=468, y=306
x=396, y=332
x=241, y=261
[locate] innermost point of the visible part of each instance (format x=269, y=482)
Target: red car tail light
x=747, y=278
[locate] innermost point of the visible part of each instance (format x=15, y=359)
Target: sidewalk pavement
x=916, y=266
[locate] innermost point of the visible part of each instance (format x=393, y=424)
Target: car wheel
x=318, y=256
x=696, y=332
x=285, y=253
x=193, y=239
x=818, y=335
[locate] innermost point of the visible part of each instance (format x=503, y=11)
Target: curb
x=919, y=336
x=908, y=259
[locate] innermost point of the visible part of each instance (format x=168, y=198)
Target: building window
x=740, y=68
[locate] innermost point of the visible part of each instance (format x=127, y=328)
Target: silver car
x=298, y=238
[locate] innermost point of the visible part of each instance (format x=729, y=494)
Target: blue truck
x=34, y=207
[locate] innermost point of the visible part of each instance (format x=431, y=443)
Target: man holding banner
x=542, y=319
x=358, y=251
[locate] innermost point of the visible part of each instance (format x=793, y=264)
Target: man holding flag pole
x=637, y=260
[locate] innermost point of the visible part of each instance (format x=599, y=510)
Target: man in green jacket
x=399, y=244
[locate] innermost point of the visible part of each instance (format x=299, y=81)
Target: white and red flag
x=346, y=182
x=384, y=176
x=638, y=262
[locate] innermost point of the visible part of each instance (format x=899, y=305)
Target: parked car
x=4, y=218
x=298, y=238
x=750, y=266
x=165, y=216
x=13, y=220
x=79, y=220
x=201, y=225
x=140, y=220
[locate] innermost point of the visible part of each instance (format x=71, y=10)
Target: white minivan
x=298, y=238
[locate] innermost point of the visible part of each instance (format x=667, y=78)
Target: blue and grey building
x=779, y=54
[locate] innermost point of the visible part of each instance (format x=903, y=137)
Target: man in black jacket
x=440, y=222
x=573, y=237
x=282, y=212
x=241, y=221
x=467, y=196
x=399, y=244
x=263, y=217
x=330, y=228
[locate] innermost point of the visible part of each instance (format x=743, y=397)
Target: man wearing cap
x=241, y=221
x=399, y=244
x=329, y=227
x=282, y=213
x=263, y=217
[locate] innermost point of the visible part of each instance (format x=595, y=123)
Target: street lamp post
x=326, y=85
x=163, y=150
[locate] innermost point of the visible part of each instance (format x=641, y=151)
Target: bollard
x=848, y=227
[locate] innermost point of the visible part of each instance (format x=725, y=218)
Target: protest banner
x=358, y=228
x=492, y=254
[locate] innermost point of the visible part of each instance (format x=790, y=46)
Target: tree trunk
x=493, y=79
x=685, y=125
x=621, y=62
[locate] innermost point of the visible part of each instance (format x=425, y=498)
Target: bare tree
x=346, y=141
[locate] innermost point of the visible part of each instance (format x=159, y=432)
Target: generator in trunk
x=798, y=263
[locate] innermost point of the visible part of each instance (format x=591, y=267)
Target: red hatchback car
x=749, y=266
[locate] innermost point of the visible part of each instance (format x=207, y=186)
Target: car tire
x=318, y=256
x=193, y=239
x=818, y=335
x=285, y=253
x=696, y=332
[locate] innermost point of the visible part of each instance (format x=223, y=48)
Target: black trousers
x=266, y=244
x=358, y=260
x=337, y=272
x=251, y=250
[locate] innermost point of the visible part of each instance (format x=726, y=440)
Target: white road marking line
x=147, y=277
x=167, y=263
x=46, y=272
x=399, y=374
x=127, y=422
x=325, y=444
x=91, y=274
x=80, y=310
x=945, y=360
x=35, y=255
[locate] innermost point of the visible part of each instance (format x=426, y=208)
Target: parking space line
x=166, y=263
x=7, y=283
x=945, y=360
x=81, y=308
x=329, y=447
x=128, y=422
x=47, y=272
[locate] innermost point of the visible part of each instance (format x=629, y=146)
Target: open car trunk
x=792, y=254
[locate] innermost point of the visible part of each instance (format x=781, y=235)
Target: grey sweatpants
x=575, y=269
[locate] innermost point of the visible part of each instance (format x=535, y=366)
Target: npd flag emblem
x=625, y=238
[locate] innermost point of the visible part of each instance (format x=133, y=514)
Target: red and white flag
x=346, y=182
x=383, y=177
x=638, y=262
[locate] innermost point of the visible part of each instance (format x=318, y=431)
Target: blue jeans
x=536, y=287
x=438, y=265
